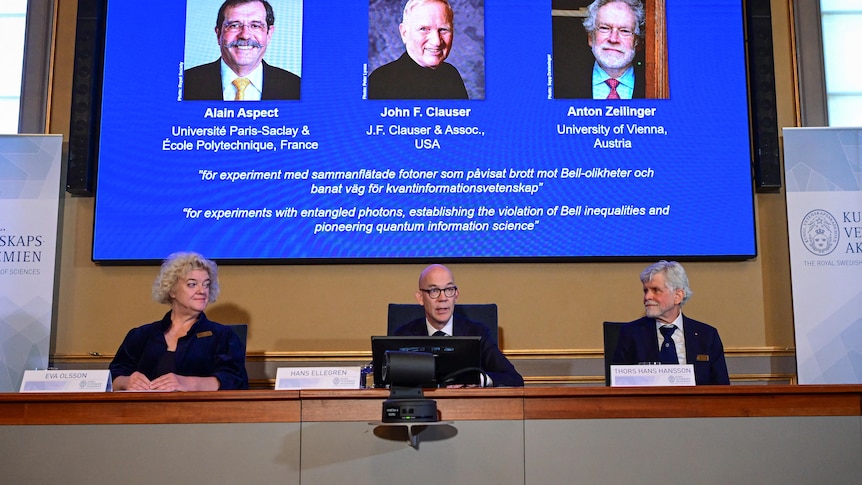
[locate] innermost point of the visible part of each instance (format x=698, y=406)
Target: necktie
x=613, y=83
x=439, y=333
x=667, y=354
x=241, y=83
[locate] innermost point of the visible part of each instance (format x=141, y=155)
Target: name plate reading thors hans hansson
x=652, y=375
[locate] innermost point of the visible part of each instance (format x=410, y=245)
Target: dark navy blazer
x=638, y=342
x=209, y=349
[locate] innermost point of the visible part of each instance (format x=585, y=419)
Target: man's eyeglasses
x=256, y=27
x=607, y=29
x=434, y=293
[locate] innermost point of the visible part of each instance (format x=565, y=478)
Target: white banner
x=823, y=177
x=29, y=211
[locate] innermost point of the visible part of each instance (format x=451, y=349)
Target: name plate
x=66, y=381
x=652, y=375
x=291, y=378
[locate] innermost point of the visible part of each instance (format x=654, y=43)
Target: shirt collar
x=254, y=89
x=601, y=90
x=447, y=329
x=677, y=321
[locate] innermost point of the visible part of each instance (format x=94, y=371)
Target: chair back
x=611, y=332
x=241, y=331
x=484, y=313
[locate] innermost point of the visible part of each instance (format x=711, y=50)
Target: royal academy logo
x=820, y=232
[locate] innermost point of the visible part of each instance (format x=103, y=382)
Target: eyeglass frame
x=435, y=293
x=622, y=31
x=237, y=26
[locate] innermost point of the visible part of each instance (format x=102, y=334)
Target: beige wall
x=320, y=308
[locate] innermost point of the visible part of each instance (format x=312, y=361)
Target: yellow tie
x=241, y=83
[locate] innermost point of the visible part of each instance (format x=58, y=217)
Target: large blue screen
x=512, y=173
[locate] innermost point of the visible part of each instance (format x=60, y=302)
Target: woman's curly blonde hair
x=178, y=266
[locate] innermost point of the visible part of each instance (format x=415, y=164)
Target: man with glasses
x=243, y=30
x=614, y=33
x=437, y=293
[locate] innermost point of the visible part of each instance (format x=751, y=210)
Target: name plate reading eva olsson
x=66, y=381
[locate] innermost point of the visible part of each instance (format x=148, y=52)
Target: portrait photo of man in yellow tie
x=244, y=31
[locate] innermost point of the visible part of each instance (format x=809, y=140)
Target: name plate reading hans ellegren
x=290, y=378
x=652, y=375
x=66, y=381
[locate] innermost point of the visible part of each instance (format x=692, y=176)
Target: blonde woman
x=184, y=351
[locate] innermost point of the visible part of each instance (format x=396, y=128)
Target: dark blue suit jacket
x=638, y=342
x=494, y=363
x=204, y=83
x=209, y=349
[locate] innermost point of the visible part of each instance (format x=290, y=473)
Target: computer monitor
x=451, y=354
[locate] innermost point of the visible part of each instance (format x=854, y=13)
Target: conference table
x=535, y=435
